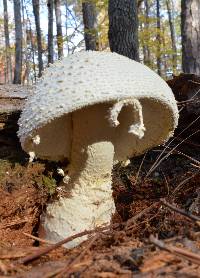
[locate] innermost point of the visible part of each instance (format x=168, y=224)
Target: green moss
x=50, y=184
x=4, y=165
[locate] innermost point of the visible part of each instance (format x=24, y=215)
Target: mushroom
x=94, y=109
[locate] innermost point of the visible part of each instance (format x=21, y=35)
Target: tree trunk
x=123, y=28
x=36, y=12
x=158, y=37
x=190, y=31
x=59, y=28
x=90, y=25
x=7, y=44
x=50, y=31
x=18, y=42
x=147, y=57
x=172, y=32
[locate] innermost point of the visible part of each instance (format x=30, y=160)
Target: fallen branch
x=45, y=250
x=181, y=211
x=185, y=254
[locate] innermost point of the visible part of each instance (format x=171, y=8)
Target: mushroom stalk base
x=88, y=202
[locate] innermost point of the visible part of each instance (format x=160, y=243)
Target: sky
x=44, y=21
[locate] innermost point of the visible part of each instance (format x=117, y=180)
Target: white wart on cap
x=93, y=108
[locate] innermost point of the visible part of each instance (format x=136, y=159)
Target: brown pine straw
x=68, y=268
x=180, y=252
x=181, y=211
x=47, y=249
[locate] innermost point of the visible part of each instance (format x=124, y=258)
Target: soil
x=129, y=247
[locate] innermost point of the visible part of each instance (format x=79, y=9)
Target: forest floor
x=149, y=236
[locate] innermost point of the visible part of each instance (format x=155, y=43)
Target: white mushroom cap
x=88, y=78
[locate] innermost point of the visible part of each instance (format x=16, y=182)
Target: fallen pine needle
x=38, y=239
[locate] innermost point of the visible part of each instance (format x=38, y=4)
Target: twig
x=195, y=82
x=37, y=238
x=185, y=254
x=47, y=249
x=160, y=158
x=186, y=101
x=181, y=211
x=138, y=173
x=188, y=142
x=166, y=183
x=180, y=153
x=67, y=269
x=184, y=182
x=10, y=97
x=194, y=165
x=131, y=221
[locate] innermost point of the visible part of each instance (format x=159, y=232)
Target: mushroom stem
x=136, y=128
x=88, y=203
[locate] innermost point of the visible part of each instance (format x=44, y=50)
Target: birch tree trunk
x=50, y=31
x=7, y=44
x=59, y=28
x=90, y=25
x=36, y=12
x=158, y=37
x=190, y=31
x=18, y=42
x=172, y=32
x=123, y=28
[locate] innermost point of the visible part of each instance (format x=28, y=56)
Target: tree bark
x=90, y=25
x=190, y=31
x=50, y=31
x=7, y=44
x=36, y=12
x=123, y=28
x=158, y=37
x=59, y=28
x=18, y=42
x=172, y=32
x=147, y=58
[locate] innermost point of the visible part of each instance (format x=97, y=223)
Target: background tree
x=146, y=49
x=123, y=28
x=36, y=12
x=7, y=44
x=158, y=36
x=190, y=31
x=50, y=31
x=170, y=11
x=59, y=28
x=122, y=32
x=18, y=42
x=90, y=25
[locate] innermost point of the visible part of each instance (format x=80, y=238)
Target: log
x=12, y=98
x=186, y=88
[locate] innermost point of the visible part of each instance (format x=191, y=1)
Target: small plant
x=50, y=184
